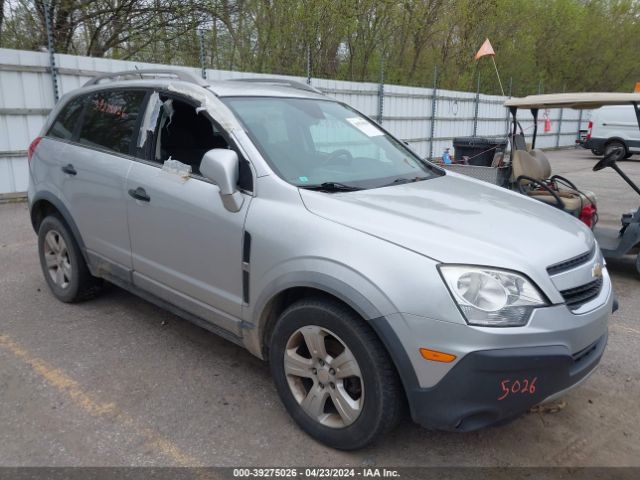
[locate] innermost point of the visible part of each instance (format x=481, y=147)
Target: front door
x=187, y=247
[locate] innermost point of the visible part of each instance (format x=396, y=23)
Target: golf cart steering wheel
x=522, y=187
x=611, y=156
x=336, y=154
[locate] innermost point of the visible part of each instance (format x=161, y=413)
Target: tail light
x=32, y=148
x=588, y=215
x=589, y=132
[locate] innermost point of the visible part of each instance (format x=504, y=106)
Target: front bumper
x=553, y=353
x=487, y=387
x=595, y=143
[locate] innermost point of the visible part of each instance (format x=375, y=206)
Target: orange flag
x=485, y=49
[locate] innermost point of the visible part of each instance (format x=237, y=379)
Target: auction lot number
x=523, y=386
x=315, y=472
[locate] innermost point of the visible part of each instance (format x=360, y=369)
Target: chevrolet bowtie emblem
x=597, y=270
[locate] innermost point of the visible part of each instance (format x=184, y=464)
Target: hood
x=453, y=219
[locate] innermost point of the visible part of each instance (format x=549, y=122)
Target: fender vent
x=246, y=263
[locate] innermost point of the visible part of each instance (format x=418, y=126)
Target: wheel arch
x=44, y=204
x=617, y=139
x=287, y=289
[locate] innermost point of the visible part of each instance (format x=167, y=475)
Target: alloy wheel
x=56, y=257
x=324, y=376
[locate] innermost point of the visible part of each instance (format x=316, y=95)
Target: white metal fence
x=427, y=118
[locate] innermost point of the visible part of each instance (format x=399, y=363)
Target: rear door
x=187, y=247
x=94, y=169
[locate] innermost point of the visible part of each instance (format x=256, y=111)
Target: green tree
x=577, y=45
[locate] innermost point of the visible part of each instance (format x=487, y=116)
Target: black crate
x=497, y=175
x=478, y=150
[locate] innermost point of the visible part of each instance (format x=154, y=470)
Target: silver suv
x=293, y=225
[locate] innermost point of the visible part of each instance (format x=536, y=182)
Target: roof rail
x=183, y=75
x=280, y=81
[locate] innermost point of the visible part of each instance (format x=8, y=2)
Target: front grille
x=578, y=296
x=571, y=263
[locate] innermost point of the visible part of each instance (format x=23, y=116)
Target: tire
x=373, y=396
x=628, y=155
x=617, y=144
x=63, y=265
x=597, y=152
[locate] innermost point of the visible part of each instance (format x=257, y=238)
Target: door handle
x=140, y=194
x=68, y=169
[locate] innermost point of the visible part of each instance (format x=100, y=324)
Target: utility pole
x=203, y=62
x=52, y=59
x=381, y=90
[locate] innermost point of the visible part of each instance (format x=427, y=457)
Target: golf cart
x=614, y=243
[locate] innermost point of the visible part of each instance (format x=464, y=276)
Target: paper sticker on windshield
x=365, y=126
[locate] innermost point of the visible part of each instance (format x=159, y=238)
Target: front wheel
x=333, y=375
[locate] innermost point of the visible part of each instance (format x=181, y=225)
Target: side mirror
x=222, y=166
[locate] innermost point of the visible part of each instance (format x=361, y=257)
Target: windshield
x=319, y=143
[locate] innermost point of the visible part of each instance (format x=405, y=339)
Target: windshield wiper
x=401, y=180
x=331, y=187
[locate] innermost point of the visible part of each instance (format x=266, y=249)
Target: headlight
x=492, y=298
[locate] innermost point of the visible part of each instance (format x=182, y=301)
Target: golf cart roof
x=585, y=100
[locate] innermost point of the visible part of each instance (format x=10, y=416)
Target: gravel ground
x=116, y=381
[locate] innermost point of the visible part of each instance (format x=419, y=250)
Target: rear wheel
x=597, y=152
x=63, y=265
x=619, y=147
x=333, y=375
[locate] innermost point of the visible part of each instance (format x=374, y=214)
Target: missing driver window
x=184, y=134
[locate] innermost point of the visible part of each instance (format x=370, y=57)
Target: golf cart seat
x=539, y=155
x=572, y=203
x=543, y=170
x=532, y=177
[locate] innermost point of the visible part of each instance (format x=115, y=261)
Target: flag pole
x=498, y=75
